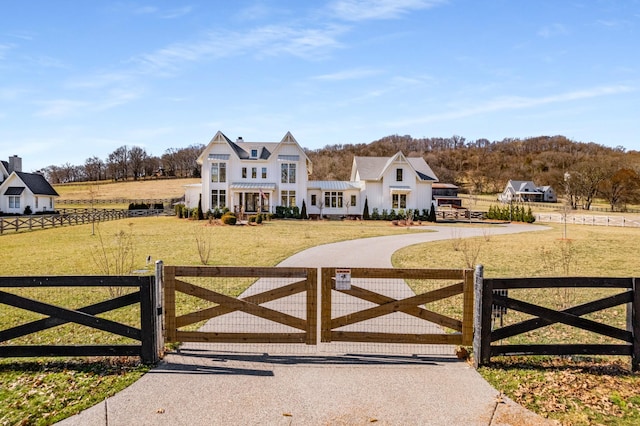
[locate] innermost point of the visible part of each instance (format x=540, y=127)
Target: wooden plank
x=580, y=310
x=216, y=311
x=325, y=304
x=312, y=307
x=415, y=274
x=240, y=305
x=467, y=308
x=368, y=337
x=485, y=318
x=562, y=317
x=512, y=350
x=560, y=282
x=380, y=299
x=70, y=315
x=635, y=324
x=72, y=281
x=240, y=271
x=415, y=311
x=50, y=322
x=212, y=337
x=170, y=304
x=68, y=350
x=396, y=305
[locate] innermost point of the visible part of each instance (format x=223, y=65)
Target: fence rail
x=593, y=220
x=492, y=293
x=68, y=217
x=151, y=201
x=52, y=314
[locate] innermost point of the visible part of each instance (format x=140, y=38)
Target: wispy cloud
x=273, y=40
x=353, y=74
x=552, y=30
x=518, y=102
x=4, y=48
x=361, y=10
x=59, y=108
x=162, y=13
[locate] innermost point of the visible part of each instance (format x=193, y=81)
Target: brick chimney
x=15, y=164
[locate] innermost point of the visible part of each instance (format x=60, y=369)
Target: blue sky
x=81, y=78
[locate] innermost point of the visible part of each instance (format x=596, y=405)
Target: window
x=244, y=173
x=36, y=202
x=288, y=173
x=313, y=199
x=333, y=199
x=14, y=202
x=353, y=201
x=254, y=153
x=51, y=202
x=254, y=172
x=398, y=175
x=399, y=201
x=218, y=172
x=288, y=198
x=264, y=173
x=218, y=198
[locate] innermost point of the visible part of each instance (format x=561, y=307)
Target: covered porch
x=251, y=198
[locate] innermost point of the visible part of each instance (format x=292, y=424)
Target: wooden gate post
x=148, y=352
x=482, y=319
x=635, y=325
x=159, y=312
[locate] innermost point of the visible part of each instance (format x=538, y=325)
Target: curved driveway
x=210, y=387
x=377, y=251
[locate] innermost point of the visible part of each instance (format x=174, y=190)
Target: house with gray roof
x=251, y=177
x=19, y=190
x=527, y=191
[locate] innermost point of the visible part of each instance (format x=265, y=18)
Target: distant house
x=527, y=191
x=255, y=177
x=19, y=190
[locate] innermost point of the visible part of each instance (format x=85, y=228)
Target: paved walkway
x=201, y=386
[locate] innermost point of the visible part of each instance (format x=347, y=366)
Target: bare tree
x=137, y=157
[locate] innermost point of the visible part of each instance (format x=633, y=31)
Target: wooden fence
x=68, y=217
x=494, y=293
x=52, y=315
x=127, y=201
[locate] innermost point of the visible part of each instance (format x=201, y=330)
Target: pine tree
x=365, y=212
x=303, y=213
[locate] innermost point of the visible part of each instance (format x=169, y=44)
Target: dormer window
x=254, y=153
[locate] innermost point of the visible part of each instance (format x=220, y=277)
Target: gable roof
x=372, y=168
x=37, y=184
x=522, y=185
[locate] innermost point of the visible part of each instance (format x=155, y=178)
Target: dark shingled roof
x=37, y=184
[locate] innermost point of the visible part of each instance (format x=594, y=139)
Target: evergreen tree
x=365, y=212
x=200, y=213
x=432, y=214
x=303, y=213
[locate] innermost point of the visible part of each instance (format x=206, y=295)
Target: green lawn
x=43, y=391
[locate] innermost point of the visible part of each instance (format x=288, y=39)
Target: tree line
x=578, y=171
x=129, y=163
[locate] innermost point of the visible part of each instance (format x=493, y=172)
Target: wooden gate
x=450, y=324
x=197, y=325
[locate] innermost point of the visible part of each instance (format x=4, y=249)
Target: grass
x=576, y=391
x=43, y=391
x=572, y=390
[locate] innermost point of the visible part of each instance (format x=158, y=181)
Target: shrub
x=375, y=215
x=27, y=210
x=259, y=219
x=228, y=218
x=138, y=206
x=253, y=218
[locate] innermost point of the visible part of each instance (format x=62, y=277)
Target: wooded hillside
x=482, y=166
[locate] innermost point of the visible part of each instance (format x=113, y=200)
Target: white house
x=259, y=176
x=521, y=190
x=19, y=189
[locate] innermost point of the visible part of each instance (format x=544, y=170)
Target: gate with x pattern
x=312, y=306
